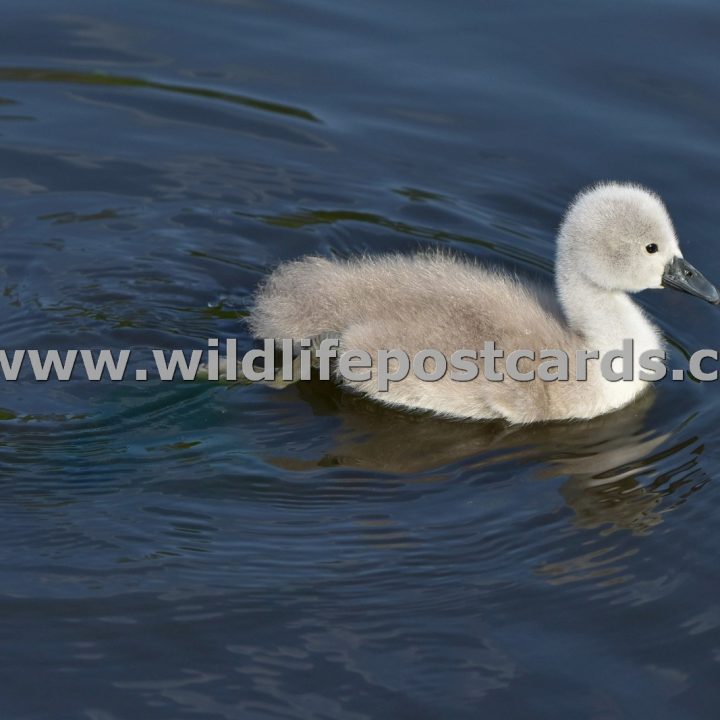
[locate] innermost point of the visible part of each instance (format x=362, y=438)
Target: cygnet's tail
x=301, y=299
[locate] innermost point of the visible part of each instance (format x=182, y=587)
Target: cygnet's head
x=620, y=237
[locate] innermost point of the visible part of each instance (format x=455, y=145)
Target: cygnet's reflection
x=617, y=467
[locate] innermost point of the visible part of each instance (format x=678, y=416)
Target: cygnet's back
x=430, y=300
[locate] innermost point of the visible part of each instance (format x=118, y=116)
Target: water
x=191, y=550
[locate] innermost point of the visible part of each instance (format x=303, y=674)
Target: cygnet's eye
x=651, y=248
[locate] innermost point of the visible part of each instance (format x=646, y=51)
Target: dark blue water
x=197, y=550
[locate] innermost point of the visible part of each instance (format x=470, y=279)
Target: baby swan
x=615, y=239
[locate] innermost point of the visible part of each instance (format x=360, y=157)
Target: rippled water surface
x=180, y=549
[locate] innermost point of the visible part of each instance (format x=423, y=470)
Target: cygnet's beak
x=681, y=275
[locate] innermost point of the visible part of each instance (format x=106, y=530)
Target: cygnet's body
x=615, y=239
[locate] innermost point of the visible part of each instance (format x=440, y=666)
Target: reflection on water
x=30, y=75
x=243, y=552
x=614, y=468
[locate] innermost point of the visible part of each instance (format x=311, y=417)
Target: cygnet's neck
x=603, y=318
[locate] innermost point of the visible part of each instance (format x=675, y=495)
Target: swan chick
x=615, y=239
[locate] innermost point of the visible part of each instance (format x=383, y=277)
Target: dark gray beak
x=681, y=275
